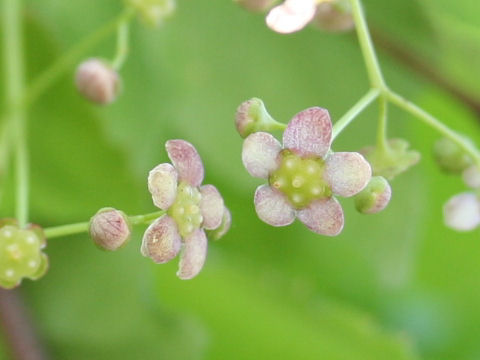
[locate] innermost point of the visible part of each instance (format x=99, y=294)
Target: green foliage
x=396, y=285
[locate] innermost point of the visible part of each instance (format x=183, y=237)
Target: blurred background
x=396, y=285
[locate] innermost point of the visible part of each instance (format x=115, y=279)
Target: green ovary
x=300, y=179
x=186, y=209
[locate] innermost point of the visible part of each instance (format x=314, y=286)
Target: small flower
x=20, y=253
x=97, y=81
x=109, y=229
x=304, y=175
x=391, y=160
x=462, y=212
x=471, y=176
x=252, y=116
x=291, y=15
x=190, y=210
x=334, y=16
x=375, y=197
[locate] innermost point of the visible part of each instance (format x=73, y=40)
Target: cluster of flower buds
x=21, y=253
x=294, y=15
x=97, y=81
x=462, y=211
x=191, y=210
x=304, y=175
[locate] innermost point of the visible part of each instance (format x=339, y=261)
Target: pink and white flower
x=291, y=15
x=190, y=208
x=304, y=175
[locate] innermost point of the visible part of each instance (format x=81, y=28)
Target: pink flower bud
x=97, y=82
x=375, y=197
x=109, y=229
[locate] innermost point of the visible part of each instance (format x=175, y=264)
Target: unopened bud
x=450, y=157
x=154, y=12
x=334, y=16
x=97, y=81
x=252, y=116
x=109, y=229
x=471, y=176
x=223, y=228
x=375, y=197
x=256, y=5
x=462, y=212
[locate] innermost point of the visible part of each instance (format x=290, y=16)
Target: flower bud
x=154, y=12
x=462, y=212
x=471, y=176
x=450, y=157
x=256, y=5
x=109, y=229
x=393, y=160
x=334, y=16
x=20, y=254
x=375, y=197
x=252, y=116
x=97, y=82
x=223, y=228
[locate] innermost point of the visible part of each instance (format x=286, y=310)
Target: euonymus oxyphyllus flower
x=450, y=157
x=294, y=15
x=190, y=210
x=97, y=81
x=21, y=253
x=375, y=197
x=304, y=175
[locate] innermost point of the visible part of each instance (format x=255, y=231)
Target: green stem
x=76, y=228
x=59, y=67
x=369, y=55
x=434, y=123
x=122, y=46
x=382, y=123
x=351, y=114
x=16, y=115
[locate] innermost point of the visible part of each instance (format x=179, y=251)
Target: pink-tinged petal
x=193, y=255
x=162, y=184
x=273, y=207
x=186, y=160
x=291, y=16
x=161, y=241
x=259, y=154
x=347, y=173
x=211, y=206
x=309, y=132
x=323, y=216
x=462, y=212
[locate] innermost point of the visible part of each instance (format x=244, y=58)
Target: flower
x=462, y=212
x=21, y=253
x=304, y=175
x=109, y=229
x=190, y=208
x=294, y=15
x=375, y=197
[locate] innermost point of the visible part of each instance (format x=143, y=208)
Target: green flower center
x=300, y=179
x=186, y=209
x=20, y=256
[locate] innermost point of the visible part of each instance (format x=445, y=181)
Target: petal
x=323, y=216
x=193, y=255
x=291, y=16
x=462, y=212
x=309, y=132
x=223, y=228
x=347, y=173
x=162, y=184
x=259, y=154
x=211, y=206
x=161, y=241
x=186, y=160
x=272, y=207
